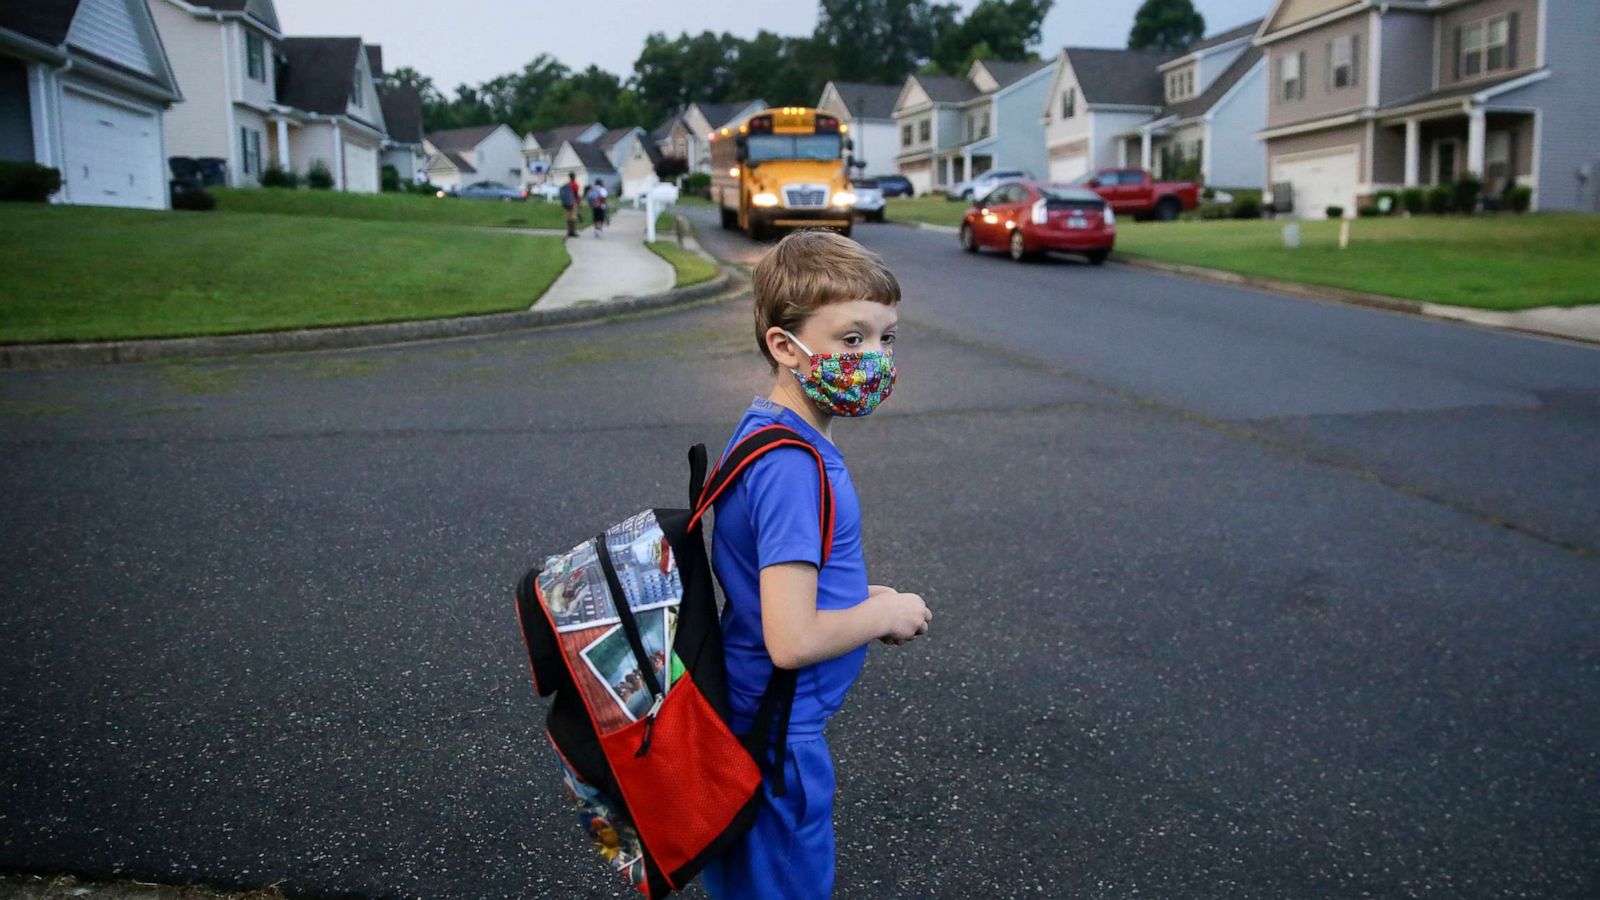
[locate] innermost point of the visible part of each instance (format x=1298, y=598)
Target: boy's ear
x=783, y=350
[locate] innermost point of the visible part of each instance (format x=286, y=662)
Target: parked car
x=895, y=185
x=490, y=190
x=1026, y=218
x=980, y=187
x=1133, y=192
x=869, y=198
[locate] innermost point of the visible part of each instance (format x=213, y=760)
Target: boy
x=825, y=320
x=597, y=205
x=571, y=198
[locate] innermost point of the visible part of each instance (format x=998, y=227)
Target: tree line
x=877, y=41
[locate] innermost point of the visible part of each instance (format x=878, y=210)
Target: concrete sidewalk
x=615, y=265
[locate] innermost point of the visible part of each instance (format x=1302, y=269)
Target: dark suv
x=895, y=185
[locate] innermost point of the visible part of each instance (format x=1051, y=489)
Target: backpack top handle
x=754, y=445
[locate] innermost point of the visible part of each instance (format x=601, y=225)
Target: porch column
x=283, y=144
x=1413, y=152
x=1144, y=149
x=338, y=157
x=966, y=165
x=1475, y=141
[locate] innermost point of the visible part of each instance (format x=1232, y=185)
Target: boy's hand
x=906, y=616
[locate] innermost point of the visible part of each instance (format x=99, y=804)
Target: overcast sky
x=474, y=40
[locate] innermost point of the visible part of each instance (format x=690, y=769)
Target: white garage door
x=1068, y=167
x=112, y=154
x=1320, y=181
x=360, y=168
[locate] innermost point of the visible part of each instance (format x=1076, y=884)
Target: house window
x=357, y=96
x=250, y=150
x=925, y=130
x=1486, y=46
x=905, y=135
x=1292, y=86
x=971, y=124
x=1069, y=103
x=255, y=57
x=1344, y=62
x=983, y=126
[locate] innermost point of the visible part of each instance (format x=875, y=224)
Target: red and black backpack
x=639, y=723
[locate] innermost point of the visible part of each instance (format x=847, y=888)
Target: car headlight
x=765, y=198
x=1041, y=212
x=1110, y=218
x=844, y=198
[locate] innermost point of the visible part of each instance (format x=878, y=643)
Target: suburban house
x=1216, y=101
x=671, y=138
x=692, y=131
x=868, y=109
x=1368, y=95
x=458, y=157
x=539, y=148
x=952, y=128
x=83, y=87
x=633, y=156
x=586, y=160
x=402, y=143
x=1097, y=94
x=329, y=112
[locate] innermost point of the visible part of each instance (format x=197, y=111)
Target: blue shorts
x=788, y=855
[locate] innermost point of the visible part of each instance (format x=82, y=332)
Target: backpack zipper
x=649, y=726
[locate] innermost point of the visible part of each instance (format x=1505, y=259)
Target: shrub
x=1467, y=189
x=1208, y=194
x=277, y=177
x=1370, y=211
x=194, y=198
x=1518, y=198
x=1246, y=208
x=28, y=182
x=1334, y=212
x=1415, y=200
x=697, y=184
x=1441, y=199
x=1393, y=206
x=1209, y=211
x=390, y=179
x=319, y=177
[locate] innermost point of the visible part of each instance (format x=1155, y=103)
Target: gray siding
x=1407, y=56
x=1020, y=138
x=1569, y=136
x=1238, y=158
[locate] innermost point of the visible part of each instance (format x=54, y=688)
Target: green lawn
x=692, y=268
x=1490, y=262
x=392, y=207
x=82, y=273
x=933, y=210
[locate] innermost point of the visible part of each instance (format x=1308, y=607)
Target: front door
x=1444, y=161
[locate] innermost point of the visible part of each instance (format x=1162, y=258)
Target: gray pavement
x=1239, y=595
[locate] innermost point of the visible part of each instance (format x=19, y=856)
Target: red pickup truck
x=1132, y=192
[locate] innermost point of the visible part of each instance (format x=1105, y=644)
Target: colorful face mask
x=847, y=384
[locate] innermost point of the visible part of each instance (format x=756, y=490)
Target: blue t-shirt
x=772, y=514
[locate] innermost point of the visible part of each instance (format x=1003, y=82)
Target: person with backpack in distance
x=597, y=205
x=826, y=314
x=571, y=197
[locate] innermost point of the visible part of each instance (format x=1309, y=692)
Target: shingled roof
x=868, y=101
x=555, y=137
x=318, y=73
x=1009, y=72
x=46, y=21
x=402, y=113
x=593, y=158
x=1120, y=77
x=1224, y=82
x=457, y=139
x=1224, y=37
x=946, y=88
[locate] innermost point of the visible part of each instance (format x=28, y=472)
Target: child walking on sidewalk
x=825, y=321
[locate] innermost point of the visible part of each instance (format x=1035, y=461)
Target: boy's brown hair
x=810, y=269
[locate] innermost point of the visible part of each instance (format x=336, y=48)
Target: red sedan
x=1027, y=218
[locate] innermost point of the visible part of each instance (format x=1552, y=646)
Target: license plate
x=1077, y=222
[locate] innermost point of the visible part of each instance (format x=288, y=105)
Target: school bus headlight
x=844, y=198
x=765, y=198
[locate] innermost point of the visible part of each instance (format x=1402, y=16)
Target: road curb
x=1421, y=308
x=94, y=353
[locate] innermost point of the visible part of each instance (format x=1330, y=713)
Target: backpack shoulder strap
x=752, y=447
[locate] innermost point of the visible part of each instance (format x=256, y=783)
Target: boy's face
x=854, y=326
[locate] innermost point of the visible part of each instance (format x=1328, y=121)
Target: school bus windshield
x=764, y=147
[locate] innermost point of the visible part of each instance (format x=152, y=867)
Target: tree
x=879, y=41
x=673, y=72
x=1166, y=25
x=995, y=29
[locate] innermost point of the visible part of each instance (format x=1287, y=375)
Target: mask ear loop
x=810, y=357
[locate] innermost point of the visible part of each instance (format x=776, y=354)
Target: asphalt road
x=1239, y=596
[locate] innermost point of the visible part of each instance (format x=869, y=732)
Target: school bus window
x=782, y=146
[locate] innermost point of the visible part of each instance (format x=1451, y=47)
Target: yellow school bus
x=785, y=167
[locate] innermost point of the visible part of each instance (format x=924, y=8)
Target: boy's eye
x=852, y=340
x=888, y=339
